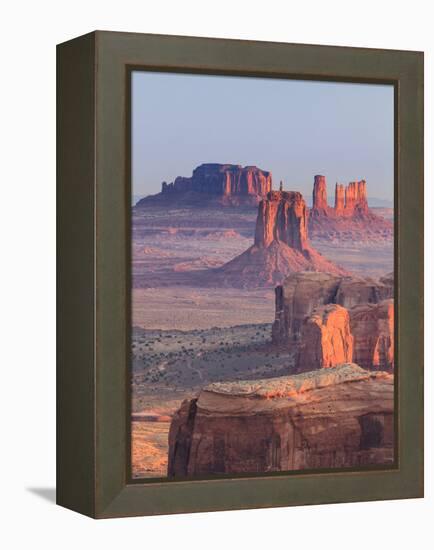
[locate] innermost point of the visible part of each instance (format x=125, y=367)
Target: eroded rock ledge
x=329, y=320
x=332, y=418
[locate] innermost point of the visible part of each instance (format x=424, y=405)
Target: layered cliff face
x=334, y=418
x=319, y=196
x=281, y=246
x=282, y=218
x=328, y=320
x=339, y=199
x=356, y=200
x=301, y=293
x=225, y=184
x=373, y=328
x=326, y=339
x=349, y=201
x=296, y=298
x=350, y=217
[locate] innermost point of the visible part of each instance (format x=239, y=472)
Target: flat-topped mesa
x=373, y=328
x=319, y=196
x=282, y=217
x=331, y=418
x=228, y=184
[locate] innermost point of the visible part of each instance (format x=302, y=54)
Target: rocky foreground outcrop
x=350, y=219
x=372, y=326
x=281, y=246
x=212, y=183
x=328, y=319
x=334, y=418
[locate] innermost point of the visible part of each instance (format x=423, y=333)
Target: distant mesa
x=281, y=246
x=212, y=183
x=350, y=214
x=350, y=201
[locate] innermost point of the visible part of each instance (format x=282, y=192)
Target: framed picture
x=240, y=274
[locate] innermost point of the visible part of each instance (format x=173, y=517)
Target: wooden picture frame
x=93, y=177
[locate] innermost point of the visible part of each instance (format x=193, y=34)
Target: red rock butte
x=351, y=200
x=281, y=246
x=225, y=184
x=282, y=217
x=350, y=215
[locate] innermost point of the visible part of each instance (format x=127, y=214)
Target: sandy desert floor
x=170, y=366
x=185, y=336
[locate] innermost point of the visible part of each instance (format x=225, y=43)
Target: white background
x=29, y=33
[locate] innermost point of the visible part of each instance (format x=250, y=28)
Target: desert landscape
x=249, y=308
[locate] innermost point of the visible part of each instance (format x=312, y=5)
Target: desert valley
x=263, y=329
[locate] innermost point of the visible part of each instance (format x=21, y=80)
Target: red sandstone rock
x=282, y=218
x=353, y=291
x=326, y=339
x=339, y=199
x=281, y=247
x=356, y=202
x=332, y=418
x=301, y=293
x=373, y=328
x=319, y=196
x=350, y=218
x=226, y=184
x=297, y=298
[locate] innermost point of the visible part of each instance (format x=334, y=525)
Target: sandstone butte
x=350, y=216
x=333, y=418
x=212, y=183
x=327, y=320
x=281, y=246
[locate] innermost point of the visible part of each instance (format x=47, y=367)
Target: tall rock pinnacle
x=319, y=197
x=281, y=246
x=282, y=217
x=339, y=198
x=221, y=184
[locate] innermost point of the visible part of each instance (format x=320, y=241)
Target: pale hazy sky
x=295, y=129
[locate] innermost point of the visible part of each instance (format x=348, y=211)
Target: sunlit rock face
x=326, y=339
x=332, y=418
x=281, y=246
x=329, y=319
x=319, y=196
x=350, y=217
x=356, y=200
x=373, y=328
x=295, y=300
x=282, y=217
x=224, y=184
x=339, y=199
x=300, y=293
